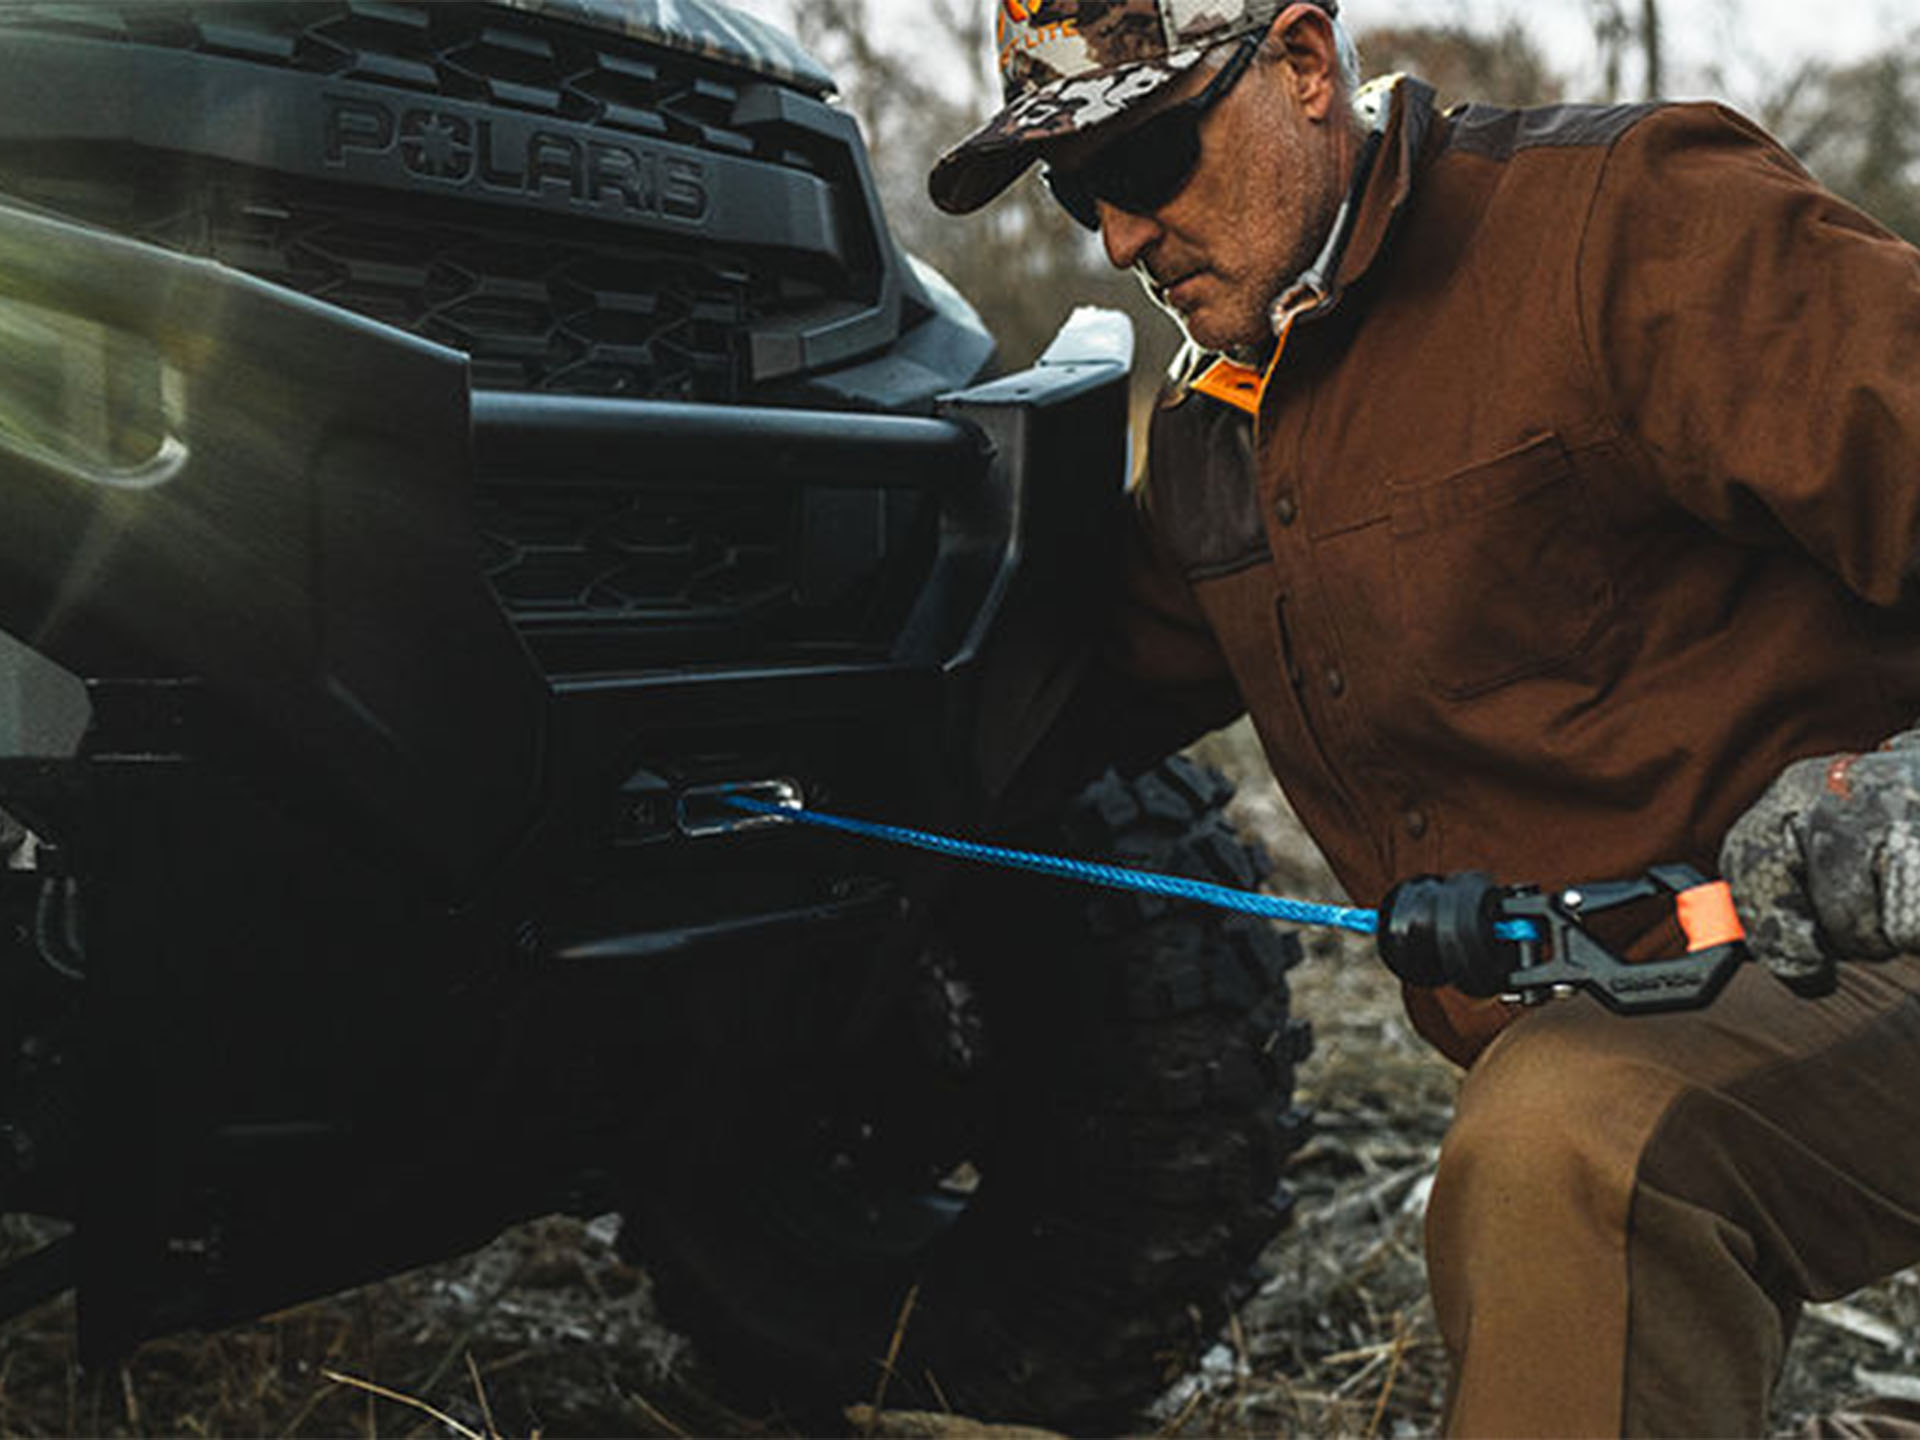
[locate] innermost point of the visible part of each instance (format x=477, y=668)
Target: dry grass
x=548, y=1332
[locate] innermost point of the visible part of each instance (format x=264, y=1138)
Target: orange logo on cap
x=1027, y=12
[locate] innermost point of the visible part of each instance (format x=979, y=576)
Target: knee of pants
x=1548, y=1132
x=1565, y=1312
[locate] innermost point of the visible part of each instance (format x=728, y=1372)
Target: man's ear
x=1302, y=39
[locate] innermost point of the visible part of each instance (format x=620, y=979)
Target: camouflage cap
x=1069, y=65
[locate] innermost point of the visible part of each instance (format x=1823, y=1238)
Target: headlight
x=87, y=398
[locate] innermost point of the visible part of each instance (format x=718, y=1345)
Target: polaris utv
x=447, y=451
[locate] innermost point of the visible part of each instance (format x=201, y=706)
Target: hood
x=698, y=27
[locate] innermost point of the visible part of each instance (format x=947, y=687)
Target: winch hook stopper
x=1439, y=930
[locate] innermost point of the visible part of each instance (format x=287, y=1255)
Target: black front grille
x=574, y=304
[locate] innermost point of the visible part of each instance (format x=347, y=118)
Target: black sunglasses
x=1141, y=172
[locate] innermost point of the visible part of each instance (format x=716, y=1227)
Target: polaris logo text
x=500, y=154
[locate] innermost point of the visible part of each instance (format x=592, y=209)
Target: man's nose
x=1125, y=234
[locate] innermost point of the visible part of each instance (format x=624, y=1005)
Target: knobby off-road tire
x=1070, y=1252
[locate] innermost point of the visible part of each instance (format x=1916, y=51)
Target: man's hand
x=1826, y=865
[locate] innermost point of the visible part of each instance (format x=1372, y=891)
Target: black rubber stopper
x=1438, y=930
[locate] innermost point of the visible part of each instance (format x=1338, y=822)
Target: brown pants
x=1629, y=1212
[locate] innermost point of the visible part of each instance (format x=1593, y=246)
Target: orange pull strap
x=1234, y=384
x=1239, y=386
x=1707, y=916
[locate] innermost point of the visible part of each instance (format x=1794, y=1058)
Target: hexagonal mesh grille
x=637, y=320
x=568, y=305
x=716, y=557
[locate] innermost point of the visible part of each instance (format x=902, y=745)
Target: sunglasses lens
x=1074, y=196
x=1142, y=173
x=1159, y=159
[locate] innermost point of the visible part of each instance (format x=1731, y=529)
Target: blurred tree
x=1650, y=49
x=1616, y=36
x=1505, y=68
x=1611, y=35
x=1858, y=128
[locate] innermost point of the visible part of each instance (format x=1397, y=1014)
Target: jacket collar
x=1382, y=194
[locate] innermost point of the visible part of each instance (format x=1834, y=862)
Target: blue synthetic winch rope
x=1113, y=877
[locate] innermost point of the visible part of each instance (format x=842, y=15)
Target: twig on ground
x=898, y=1339
x=1179, y=1421
x=480, y=1394
x=939, y=1395
x=1855, y=1321
x=652, y=1411
x=1886, y=1386
x=397, y=1397
x=127, y=1393
x=507, y=1362
x=1345, y=1389
x=1374, y=1353
x=1242, y=1369
x=1393, y=1374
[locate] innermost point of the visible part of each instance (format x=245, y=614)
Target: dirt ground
x=547, y=1331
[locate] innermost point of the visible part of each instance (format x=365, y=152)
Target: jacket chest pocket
x=1499, y=570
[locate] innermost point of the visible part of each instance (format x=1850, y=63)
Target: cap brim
x=993, y=157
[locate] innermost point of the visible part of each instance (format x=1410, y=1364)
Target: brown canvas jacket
x=1589, y=500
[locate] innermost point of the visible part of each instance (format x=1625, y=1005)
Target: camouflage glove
x=1826, y=865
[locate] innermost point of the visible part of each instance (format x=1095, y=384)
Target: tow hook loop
x=707, y=810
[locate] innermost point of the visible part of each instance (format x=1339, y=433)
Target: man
x=1545, y=484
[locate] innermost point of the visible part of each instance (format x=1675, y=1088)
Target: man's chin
x=1209, y=330
x=1204, y=325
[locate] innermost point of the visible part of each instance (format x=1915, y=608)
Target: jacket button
x=1285, y=510
x=1336, y=682
x=1416, y=823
